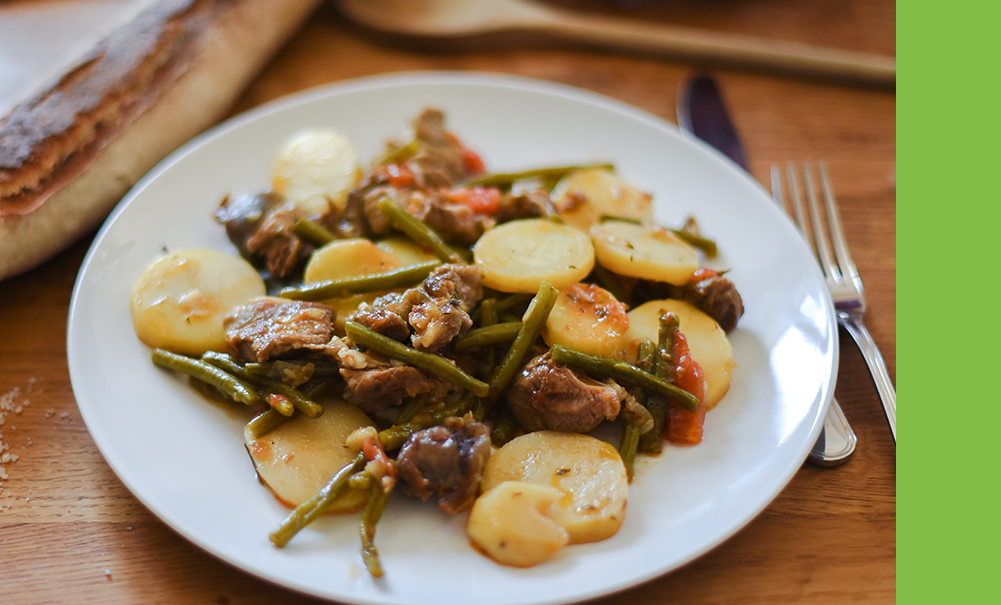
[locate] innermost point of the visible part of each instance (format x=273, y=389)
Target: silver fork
x=842, y=276
x=837, y=440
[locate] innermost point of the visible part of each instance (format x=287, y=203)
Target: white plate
x=184, y=458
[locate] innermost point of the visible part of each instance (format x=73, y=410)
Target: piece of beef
x=261, y=226
x=432, y=314
x=375, y=383
x=453, y=222
x=708, y=290
x=445, y=461
x=268, y=327
x=546, y=395
x=524, y=203
x=440, y=160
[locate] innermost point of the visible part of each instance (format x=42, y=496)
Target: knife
x=702, y=112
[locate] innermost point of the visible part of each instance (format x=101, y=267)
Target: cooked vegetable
x=376, y=282
x=506, y=179
x=180, y=300
x=488, y=335
x=584, y=196
x=418, y=230
x=316, y=163
x=645, y=252
x=589, y=319
x=587, y=471
x=519, y=255
x=224, y=382
x=230, y=364
x=299, y=457
x=377, y=500
x=535, y=319
x=684, y=426
x=511, y=525
x=405, y=250
x=599, y=366
x=308, y=511
x=709, y=344
x=312, y=231
x=436, y=364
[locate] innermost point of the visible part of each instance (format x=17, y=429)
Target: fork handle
x=877, y=367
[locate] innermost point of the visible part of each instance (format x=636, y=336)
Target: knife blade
x=702, y=112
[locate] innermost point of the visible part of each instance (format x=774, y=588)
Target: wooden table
x=71, y=532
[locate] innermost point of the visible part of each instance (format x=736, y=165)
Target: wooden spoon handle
x=720, y=47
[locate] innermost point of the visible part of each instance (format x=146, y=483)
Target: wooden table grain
x=70, y=532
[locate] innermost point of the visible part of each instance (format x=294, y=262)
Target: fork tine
x=822, y=245
x=797, y=204
x=847, y=266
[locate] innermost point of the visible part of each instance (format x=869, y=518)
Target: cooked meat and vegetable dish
x=427, y=327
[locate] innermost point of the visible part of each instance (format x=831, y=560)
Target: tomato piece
x=684, y=427
x=485, y=200
x=474, y=163
x=400, y=176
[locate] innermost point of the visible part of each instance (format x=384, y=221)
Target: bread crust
x=69, y=154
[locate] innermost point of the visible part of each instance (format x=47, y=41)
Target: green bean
x=376, y=282
x=506, y=179
x=400, y=154
x=619, y=370
x=512, y=301
x=436, y=364
x=412, y=407
x=694, y=239
x=418, y=230
x=305, y=513
x=393, y=437
x=532, y=325
x=656, y=404
x=628, y=446
x=488, y=335
x=377, y=500
x=312, y=231
x=488, y=312
x=298, y=399
x=281, y=403
x=607, y=280
x=265, y=423
x=229, y=385
x=505, y=426
x=488, y=317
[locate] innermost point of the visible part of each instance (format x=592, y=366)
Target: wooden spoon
x=452, y=19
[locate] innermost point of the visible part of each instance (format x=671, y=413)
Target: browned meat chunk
x=455, y=223
x=436, y=312
x=267, y=327
x=378, y=389
x=446, y=461
x=546, y=395
x=440, y=160
x=376, y=383
x=443, y=301
x=386, y=315
x=525, y=203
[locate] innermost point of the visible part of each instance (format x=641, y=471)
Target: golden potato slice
x=346, y=258
x=707, y=341
x=405, y=250
x=519, y=255
x=588, y=472
x=299, y=457
x=316, y=163
x=645, y=252
x=584, y=196
x=590, y=319
x=510, y=525
x=180, y=300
